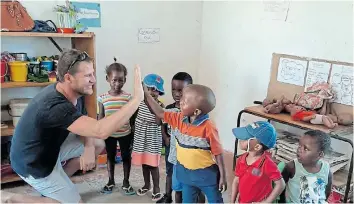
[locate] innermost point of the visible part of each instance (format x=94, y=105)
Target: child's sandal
x=156, y=197
x=142, y=191
x=107, y=189
x=128, y=190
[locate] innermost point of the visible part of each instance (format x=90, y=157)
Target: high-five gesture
x=138, y=88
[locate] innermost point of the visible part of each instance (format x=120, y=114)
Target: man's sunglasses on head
x=81, y=57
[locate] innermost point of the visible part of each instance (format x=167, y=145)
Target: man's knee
x=99, y=146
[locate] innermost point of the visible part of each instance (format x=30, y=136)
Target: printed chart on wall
x=292, y=71
x=342, y=84
x=317, y=72
x=88, y=14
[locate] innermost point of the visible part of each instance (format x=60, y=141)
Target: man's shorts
x=176, y=185
x=57, y=185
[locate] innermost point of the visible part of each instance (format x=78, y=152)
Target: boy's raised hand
x=138, y=88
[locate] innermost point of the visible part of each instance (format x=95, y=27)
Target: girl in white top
x=308, y=178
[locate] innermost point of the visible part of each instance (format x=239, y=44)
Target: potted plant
x=66, y=18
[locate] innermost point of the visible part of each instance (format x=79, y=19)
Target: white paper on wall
x=292, y=71
x=275, y=10
x=317, y=72
x=149, y=35
x=342, y=84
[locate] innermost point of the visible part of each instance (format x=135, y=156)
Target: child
x=148, y=139
x=109, y=103
x=179, y=81
x=255, y=170
x=309, y=178
x=198, y=144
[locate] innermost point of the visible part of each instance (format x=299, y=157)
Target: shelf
x=53, y=35
x=286, y=118
x=340, y=178
x=24, y=84
x=10, y=178
x=9, y=131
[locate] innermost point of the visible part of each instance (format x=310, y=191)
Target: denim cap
x=263, y=131
x=155, y=81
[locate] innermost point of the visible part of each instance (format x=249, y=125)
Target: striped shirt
x=112, y=104
x=197, y=145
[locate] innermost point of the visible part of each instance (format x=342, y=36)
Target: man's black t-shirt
x=40, y=132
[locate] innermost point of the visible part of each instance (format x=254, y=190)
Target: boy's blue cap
x=263, y=131
x=155, y=81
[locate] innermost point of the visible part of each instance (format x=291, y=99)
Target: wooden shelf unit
x=9, y=131
x=12, y=84
x=10, y=178
x=286, y=118
x=53, y=35
x=84, y=42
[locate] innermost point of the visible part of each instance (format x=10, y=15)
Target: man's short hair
x=66, y=60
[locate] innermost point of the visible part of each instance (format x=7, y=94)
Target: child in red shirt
x=255, y=170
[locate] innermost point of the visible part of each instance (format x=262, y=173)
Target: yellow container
x=18, y=71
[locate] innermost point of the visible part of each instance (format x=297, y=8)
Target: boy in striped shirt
x=200, y=163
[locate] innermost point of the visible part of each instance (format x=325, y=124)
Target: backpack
x=314, y=96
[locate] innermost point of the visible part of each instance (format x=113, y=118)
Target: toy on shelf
x=301, y=114
x=275, y=106
x=313, y=106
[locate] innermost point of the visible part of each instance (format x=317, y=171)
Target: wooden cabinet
x=84, y=42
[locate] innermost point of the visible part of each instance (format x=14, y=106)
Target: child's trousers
x=190, y=193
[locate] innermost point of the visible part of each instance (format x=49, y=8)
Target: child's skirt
x=147, y=139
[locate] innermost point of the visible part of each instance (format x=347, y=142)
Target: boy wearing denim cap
x=255, y=170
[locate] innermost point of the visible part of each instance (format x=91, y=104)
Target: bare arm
x=89, y=127
x=89, y=142
x=329, y=185
x=165, y=135
x=153, y=105
x=157, y=119
x=220, y=161
x=234, y=192
x=287, y=173
x=277, y=190
x=132, y=121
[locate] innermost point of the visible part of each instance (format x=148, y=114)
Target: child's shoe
x=107, y=189
x=165, y=199
x=156, y=197
x=128, y=190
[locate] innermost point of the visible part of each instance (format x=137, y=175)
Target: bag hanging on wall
x=14, y=17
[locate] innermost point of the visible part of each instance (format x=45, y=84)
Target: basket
x=17, y=107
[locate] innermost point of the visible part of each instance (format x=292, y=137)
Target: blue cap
x=155, y=81
x=263, y=131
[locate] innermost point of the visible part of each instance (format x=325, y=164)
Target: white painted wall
x=178, y=49
x=237, y=47
x=224, y=45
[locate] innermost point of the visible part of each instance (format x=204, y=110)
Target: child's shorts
x=176, y=185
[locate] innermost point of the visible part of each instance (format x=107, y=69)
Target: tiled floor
x=90, y=184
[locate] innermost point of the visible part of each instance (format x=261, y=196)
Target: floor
x=90, y=184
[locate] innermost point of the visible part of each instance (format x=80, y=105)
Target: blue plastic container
x=47, y=65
